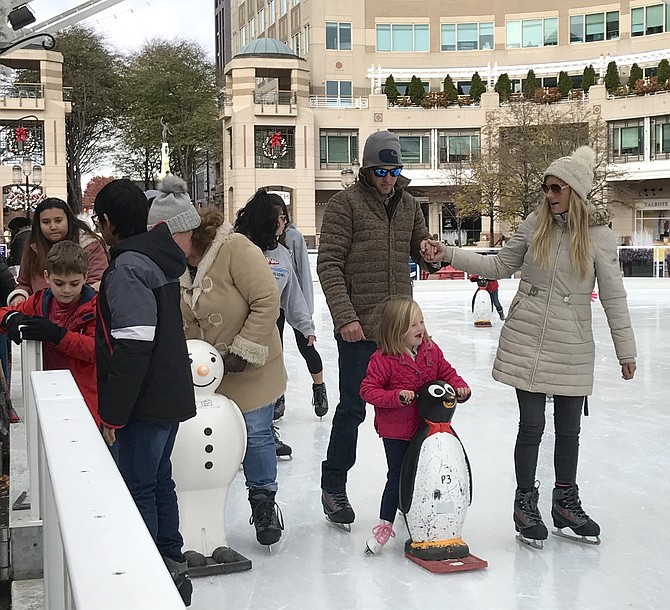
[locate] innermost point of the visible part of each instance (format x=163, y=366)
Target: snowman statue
x=207, y=455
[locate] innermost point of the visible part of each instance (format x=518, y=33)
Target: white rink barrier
x=98, y=554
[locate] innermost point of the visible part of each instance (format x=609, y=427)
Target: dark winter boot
x=265, y=516
x=527, y=518
x=319, y=399
x=281, y=448
x=280, y=407
x=567, y=512
x=501, y=313
x=179, y=573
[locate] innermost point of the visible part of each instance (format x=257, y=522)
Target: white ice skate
x=381, y=534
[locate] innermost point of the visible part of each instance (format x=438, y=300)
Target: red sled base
x=444, y=566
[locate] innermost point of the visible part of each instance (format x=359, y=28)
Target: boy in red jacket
x=406, y=359
x=62, y=316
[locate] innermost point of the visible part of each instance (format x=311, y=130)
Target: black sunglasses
x=554, y=188
x=95, y=219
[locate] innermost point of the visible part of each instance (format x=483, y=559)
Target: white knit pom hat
x=575, y=170
x=173, y=207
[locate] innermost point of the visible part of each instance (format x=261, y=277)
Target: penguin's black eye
x=436, y=391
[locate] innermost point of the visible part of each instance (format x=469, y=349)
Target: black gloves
x=42, y=329
x=233, y=363
x=11, y=323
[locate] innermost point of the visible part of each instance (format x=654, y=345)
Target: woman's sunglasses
x=380, y=172
x=554, y=188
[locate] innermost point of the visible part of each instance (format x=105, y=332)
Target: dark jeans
x=308, y=352
x=567, y=420
x=142, y=452
x=395, y=454
x=496, y=301
x=5, y=350
x=341, y=456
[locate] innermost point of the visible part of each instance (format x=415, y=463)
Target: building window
x=414, y=148
x=466, y=36
x=458, y=146
x=660, y=130
x=282, y=8
x=612, y=25
x=648, y=20
x=271, y=12
x=243, y=35
x=338, y=36
x=339, y=93
x=627, y=140
x=530, y=33
x=338, y=148
x=402, y=37
x=296, y=44
x=305, y=38
x=261, y=21
x=252, y=29
x=594, y=27
x=272, y=157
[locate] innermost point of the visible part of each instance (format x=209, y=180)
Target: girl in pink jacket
x=406, y=359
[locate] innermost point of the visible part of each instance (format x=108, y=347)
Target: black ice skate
x=527, y=518
x=319, y=399
x=567, y=513
x=281, y=448
x=280, y=407
x=266, y=516
x=182, y=580
x=337, y=509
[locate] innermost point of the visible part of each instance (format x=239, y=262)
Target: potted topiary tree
x=416, y=91
x=564, y=83
x=477, y=87
x=530, y=86
x=450, y=91
x=634, y=76
x=391, y=90
x=663, y=72
x=612, y=79
x=503, y=87
x=588, y=78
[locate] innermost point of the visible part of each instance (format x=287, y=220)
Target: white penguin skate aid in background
x=481, y=306
x=207, y=455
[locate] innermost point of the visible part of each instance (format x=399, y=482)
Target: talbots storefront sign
x=653, y=204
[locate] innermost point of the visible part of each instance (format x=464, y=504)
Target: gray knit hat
x=576, y=170
x=381, y=148
x=173, y=207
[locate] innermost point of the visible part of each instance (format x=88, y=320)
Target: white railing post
x=31, y=360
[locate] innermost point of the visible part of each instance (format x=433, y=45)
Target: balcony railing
x=225, y=99
x=331, y=101
x=21, y=90
x=274, y=98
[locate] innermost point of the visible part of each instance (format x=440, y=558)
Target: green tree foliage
x=612, y=80
x=91, y=68
x=477, y=87
x=634, y=75
x=564, y=83
x=588, y=78
x=530, y=85
x=174, y=82
x=450, y=91
x=663, y=72
x=504, y=87
x=416, y=91
x=391, y=90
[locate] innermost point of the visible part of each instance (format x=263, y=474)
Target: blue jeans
x=353, y=361
x=142, y=452
x=260, y=460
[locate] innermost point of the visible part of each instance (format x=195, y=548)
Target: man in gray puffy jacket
x=368, y=233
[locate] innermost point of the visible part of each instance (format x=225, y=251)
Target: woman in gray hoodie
x=546, y=344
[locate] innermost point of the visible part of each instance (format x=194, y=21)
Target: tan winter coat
x=233, y=304
x=364, y=255
x=546, y=344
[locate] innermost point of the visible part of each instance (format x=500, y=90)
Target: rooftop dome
x=266, y=47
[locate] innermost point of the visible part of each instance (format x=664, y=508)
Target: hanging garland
x=275, y=146
x=16, y=198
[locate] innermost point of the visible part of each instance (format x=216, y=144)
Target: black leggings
x=308, y=352
x=567, y=418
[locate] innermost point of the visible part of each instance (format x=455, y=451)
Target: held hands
x=352, y=332
x=628, y=370
x=233, y=363
x=406, y=396
x=432, y=251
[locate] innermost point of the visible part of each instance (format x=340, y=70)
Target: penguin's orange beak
x=450, y=404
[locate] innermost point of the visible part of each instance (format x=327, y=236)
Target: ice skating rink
x=623, y=477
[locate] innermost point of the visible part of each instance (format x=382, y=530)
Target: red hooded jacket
x=388, y=374
x=78, y=344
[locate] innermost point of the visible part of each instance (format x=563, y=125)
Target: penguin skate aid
x=407, y=380
x=546, y=343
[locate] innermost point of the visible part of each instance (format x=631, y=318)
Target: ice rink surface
x=623, y=476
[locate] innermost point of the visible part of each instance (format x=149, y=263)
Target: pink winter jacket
x=388, y=374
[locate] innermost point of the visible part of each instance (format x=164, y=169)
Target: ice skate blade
x=345, y=527
x=532, y=543
x=577, y=538
x=285, y=458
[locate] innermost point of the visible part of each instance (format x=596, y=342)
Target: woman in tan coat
x=230, y=299
x=546, y=344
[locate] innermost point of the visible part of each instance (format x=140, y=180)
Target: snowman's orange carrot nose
x=203, y=370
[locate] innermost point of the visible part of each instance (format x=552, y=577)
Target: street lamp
x=27, y=169
x=349, y=175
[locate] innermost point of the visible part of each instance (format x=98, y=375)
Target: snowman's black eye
x=213, y=359
x=437, y=391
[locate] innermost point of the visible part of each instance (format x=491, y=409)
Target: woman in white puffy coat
x=546, y=344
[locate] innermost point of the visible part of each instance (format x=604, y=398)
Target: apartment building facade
x=302, y=92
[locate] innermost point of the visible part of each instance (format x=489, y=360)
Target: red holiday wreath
x=275, y=146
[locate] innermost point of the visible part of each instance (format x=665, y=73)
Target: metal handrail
x=22, y=90
x=336, y=101
x=274, y=98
